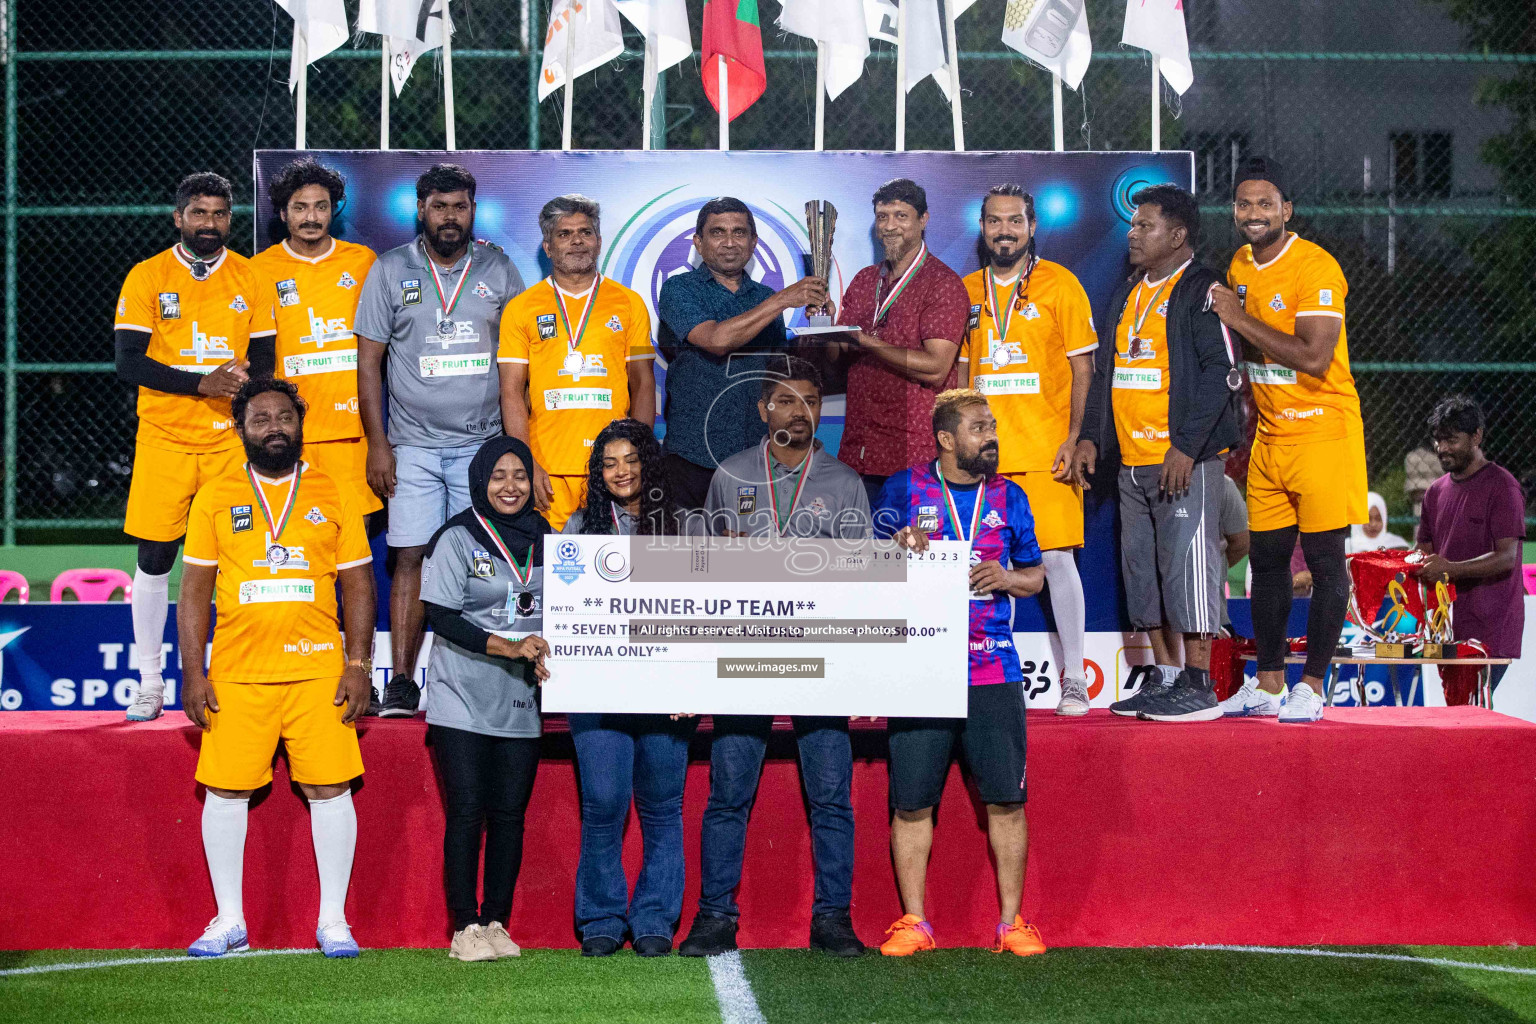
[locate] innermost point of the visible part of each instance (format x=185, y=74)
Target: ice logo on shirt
x=568, y=565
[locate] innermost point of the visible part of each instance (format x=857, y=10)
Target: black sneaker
x=600, y=945
x=1151, y=683
x=710, y=935
x=834, y=933
x=1184, y=701
x=401, y=698
x=652, y=945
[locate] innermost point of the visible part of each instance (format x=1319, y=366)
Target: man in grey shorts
x=432, y=308
x=1163, y=390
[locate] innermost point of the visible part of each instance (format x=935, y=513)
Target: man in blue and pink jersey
x=960, y=496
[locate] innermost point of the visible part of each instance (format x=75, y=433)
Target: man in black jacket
x=1162, y=392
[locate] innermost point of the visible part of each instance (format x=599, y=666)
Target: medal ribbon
x=954, y=513
x=882, y=308
x=613, y=510
x=451, y=301
x=573, y=338
x=1140, y=317
x=773, y=492
x=276, y=525
x=523, y=573
x=1005, y=320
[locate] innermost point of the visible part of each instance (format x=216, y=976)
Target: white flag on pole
x=925, y=36
x=842, y=27
x=322, y=23
x=412, y=27
x=668, y=20
x=1158, y=26
x=1052, y=34
x=598, y=39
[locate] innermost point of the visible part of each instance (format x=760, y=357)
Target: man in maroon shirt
x=911, y=313
x=1472, y=525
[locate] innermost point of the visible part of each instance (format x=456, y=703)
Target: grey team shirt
x=444, y=390
x=478, y=692
x=833, y=503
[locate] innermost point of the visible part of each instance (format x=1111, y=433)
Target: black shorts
x=991, y=735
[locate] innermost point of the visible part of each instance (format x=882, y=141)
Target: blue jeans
x=619, y=757
x=431, y=484
x=736, y=765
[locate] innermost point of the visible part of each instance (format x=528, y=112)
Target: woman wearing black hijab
x=481, y=586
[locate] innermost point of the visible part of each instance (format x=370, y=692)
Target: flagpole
x=1157, y=107
x=954, y=76
x=648, y=90
x=901, y=78
x=384, y=92
x=448, y=79
x=723, y=92
x=301, y=104
x=570, y=76
x=1057, y=116
x=821, y=95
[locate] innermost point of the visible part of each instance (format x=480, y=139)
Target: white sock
x=151, y=604
x=1170, y=673
x=1069, y=608
x=333, y=824
x=224, y=845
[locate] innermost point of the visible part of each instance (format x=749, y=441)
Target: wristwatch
x=366, y=664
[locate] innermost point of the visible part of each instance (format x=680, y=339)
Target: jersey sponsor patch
x=556, y=399
x=1270, y=373
x=1127, y=379
x=1325, y=297
x=1032, y=311
x=546, y=322
x=346, y=280
x=288, y=292
x=314, y=515
x=1008, y=384
x=122, y=306
x=481, y=289
x=277, y=591
x=238, y=305
x=614, y=325
x=481, y=564
x=410, y=292
x=927, y=518
x=1277, y=303
x=301, y=364
x=1162, y=310
x=991, y=520
x=454, y=366
x=746, y=500
x=239, y=518
x=170, y=305
x=975, y=320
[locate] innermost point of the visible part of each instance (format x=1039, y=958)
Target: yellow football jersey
x=314, y=301
x=1140, y=383
x=1304, y=280
x=1026, y=375
x=276, y=610
x=574, y=390
x=193, y=326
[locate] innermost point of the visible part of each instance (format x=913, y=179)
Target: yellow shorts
x=164, y=483
x=1318, y=486
x=242, y=736
x=346, y=462
x=570, y=494
x=1057, y=508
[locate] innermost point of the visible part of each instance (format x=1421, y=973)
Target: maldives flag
x=732, y=33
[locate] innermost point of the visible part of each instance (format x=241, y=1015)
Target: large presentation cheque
x=734, y=625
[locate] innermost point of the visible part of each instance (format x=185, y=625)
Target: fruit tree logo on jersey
x=568, y=565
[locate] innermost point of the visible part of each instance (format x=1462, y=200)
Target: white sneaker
x=335, y=940
x=470, y=944
x=223, y=935
x=1303, y=704
x=147, y=705
x=496, y=936
x=1074, y=697
x=1252, y=702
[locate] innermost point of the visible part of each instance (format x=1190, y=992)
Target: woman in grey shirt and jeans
x=481, y=587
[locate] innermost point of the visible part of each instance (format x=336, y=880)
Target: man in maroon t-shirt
x=1472, y=525
x=911, y=313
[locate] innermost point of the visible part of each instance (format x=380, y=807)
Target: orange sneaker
x=1019, y=938
x=909, y=935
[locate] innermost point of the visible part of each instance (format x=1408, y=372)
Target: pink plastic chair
x=11, y=580
x=91, y=585
x=1528, y=572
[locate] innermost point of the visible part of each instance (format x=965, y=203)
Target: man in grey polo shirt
x=432, y=309
x=787, y=486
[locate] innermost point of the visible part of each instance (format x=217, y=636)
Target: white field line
x=86, y=965
x=1396, y=957
x=732, y=990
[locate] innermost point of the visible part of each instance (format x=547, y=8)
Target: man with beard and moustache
x=1029, y=350
x=716, y=324
x=1471, y=527
x=434, y=305
x=960, y=496
x=192, y=325
x=788, y=486
x=1307, y=471
x=909, y=318
x=317, y=280
x=1164, y=390
x=575, y=355
x=271, y=541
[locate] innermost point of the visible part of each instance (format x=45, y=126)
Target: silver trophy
x=820, y=222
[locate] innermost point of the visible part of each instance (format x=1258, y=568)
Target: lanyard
x=573, y=338
x=277, y=524
x=1140, y=317
x=954, y=513
x=1004, y=317
x=523, y=573
x=451, y=301
x=882, y=308
x=613, y=510
x=773, y=492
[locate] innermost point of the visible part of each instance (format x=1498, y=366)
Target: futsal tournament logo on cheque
x=568, y=564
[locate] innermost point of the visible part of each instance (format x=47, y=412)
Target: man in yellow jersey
x=1029, y=349
x=575, y=355
x=1165, y=391
x=317, y=280
x=1307, y=471
x=192, y=325
x=271, y=540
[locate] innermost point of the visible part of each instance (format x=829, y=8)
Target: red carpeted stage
x=1376, y=826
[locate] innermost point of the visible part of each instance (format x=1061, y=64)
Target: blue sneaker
x=336, y=940
x=221, y=936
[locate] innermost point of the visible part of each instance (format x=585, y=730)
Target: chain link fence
x=1404, y=160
